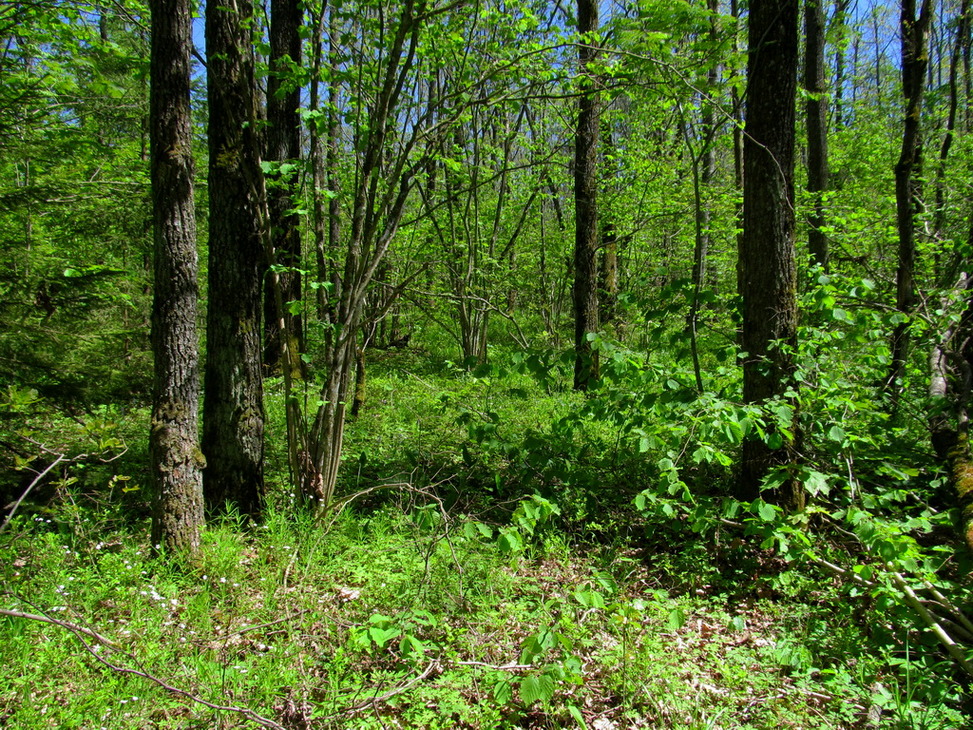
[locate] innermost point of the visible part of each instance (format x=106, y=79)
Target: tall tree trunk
x=738, y=172
x=608, y=270
x=585, y=292
x=965, y=43
x=768, y=271
x=283, y=139
x=704, y=170
x=816, y=113
x=939, y=217
x=840, y=11
x=914, y=32
x=233, y=418
x=174, y=435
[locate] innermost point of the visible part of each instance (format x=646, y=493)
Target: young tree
x=233, y=419
x=585, y=291
x=173, y=438
x=768, y=271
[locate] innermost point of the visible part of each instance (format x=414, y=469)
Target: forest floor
x=431, y=601
x=383, y=622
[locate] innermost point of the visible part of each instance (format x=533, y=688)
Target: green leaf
x=816, y=483
x=382, y=636
x=677, y=619
x=510, y=542
x=503, y=689
x=477, y=530
x=536, y=688
x=410, y=647
x=767, y=512
x=837, y=433
x=575, y=713
x=589, y=598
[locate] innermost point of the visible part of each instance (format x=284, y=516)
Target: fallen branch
x=57, y=622
x=933, y=622
x=80, y=631
x=945, y=639
x=37, y=480
x=511, y=667
x=374, y=702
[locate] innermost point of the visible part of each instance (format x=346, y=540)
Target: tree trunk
x=939, y=217
x=233, y=419
x=174, y=435
x=914, y=32
x=738, y=172
x=283, y=146
x=768, y=271
x=376, y=214
x=816, y=111
x=951, y=372
x=585, y=291
x=840, y=10
x=608, y=276
x=704, y=170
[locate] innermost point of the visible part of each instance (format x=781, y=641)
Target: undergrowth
x=509, y=555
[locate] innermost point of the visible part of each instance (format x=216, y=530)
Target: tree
x=233, y=419
x=585, y=291
x=386, y=130
x=174, y=436
x=840, y=11
x=283, y=149
x=816, y=115
x=914, y=35
x=768, y=270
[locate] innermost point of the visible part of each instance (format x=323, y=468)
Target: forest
x=486, y=364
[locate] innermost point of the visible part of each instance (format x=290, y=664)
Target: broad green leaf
x=382, y=636
x=503, y=689
x=536, y=688
x=767, y=512
x=677, y=619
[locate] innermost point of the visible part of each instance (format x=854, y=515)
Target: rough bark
x=914, y=33
x=768, y=272
x=233, y=419
x=283, y=145
x=816, y=115
x=585, y=291
x=951, y=372
x=176, y=459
